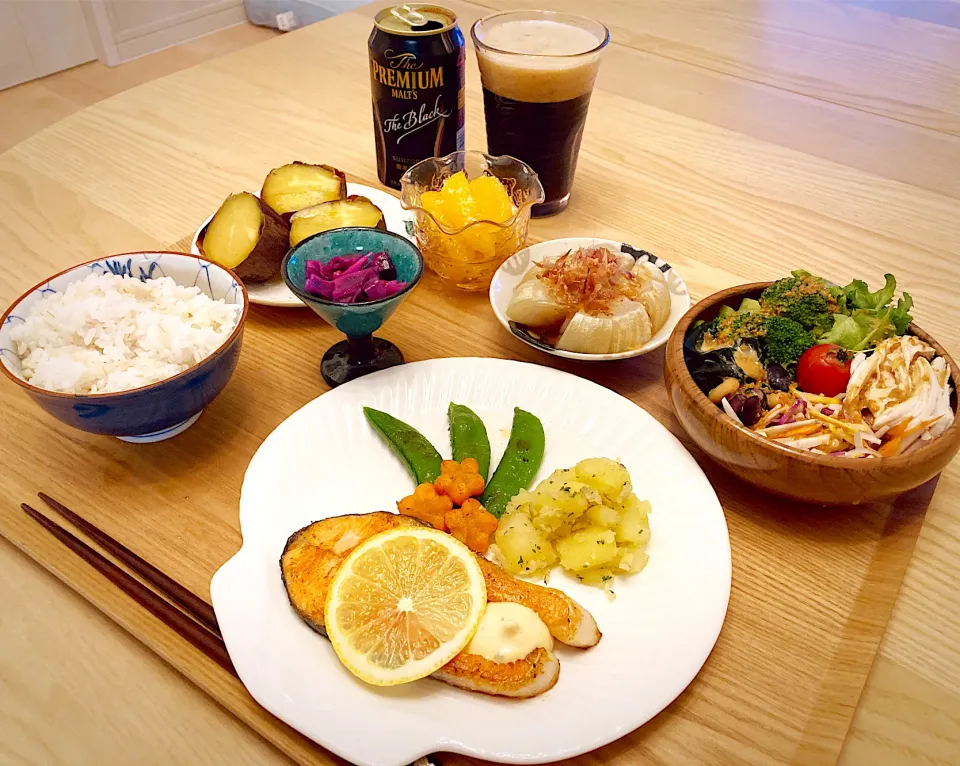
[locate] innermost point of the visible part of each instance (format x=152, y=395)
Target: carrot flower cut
x=472, y=525
x=425, y=504
x=460, y=481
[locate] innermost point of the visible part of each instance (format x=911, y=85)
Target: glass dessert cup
x=467, y=257
x=361, y=353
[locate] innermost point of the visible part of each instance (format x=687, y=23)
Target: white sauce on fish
x=509, y=632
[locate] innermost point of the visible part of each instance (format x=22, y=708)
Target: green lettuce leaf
x=900, y=316
x=840, y=294
x=875, y=327
x=860, y=297
x=882, y=324
x=845, y=332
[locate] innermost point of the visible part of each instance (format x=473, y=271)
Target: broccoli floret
x=808, y=310
x=730, y=329
x=804, y=298
x=785, y=340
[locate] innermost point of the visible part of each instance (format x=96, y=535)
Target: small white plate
x=508, y=276
x=325, y=460
x=275, y=292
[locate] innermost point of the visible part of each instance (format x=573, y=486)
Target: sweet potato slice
x=352, y=211
x=298, y=185
x=246, y=235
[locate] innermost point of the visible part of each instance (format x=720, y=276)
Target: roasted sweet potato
x=298, y=185
x=352, y=211
x=246, y=235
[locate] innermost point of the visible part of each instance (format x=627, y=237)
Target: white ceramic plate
x=275, y=292
x=325, y=460
x=508, y=276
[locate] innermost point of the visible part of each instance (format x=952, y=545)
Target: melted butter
x=509, y=632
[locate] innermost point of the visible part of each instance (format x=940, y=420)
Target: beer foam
x=537, y=61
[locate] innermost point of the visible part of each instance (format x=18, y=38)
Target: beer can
x=416, y=82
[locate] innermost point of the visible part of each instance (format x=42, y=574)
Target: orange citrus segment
x=403, y=604
x=432, y=202
x=460, y=202
x=490, y=200
x=456, y=185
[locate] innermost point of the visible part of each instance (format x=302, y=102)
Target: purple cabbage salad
x=353, y=278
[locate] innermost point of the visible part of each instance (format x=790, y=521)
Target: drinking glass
x=537, y=69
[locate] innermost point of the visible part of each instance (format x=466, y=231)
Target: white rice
x=108, y=333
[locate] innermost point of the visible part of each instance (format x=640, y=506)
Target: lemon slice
x=403, y=604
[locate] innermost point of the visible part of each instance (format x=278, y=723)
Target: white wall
x=39, y=37
x=125, y=29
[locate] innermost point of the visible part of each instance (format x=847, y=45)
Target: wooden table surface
x=737, y=139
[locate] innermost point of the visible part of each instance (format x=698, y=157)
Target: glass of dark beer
x=538, y=70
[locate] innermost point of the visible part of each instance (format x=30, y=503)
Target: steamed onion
x=536, y=271
x=534, y=305
x=655, y=298
x=655, y=295
x=629, y=327
x=647, y=271
x=586, y=334
x=598, y=309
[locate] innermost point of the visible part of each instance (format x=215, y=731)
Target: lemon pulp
x=403, y=604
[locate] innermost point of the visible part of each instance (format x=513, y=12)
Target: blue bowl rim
x=113, y=394
x=311, y=298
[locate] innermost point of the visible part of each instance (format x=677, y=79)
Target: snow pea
x=412, y=447
x=468, y=437
x=519, y=464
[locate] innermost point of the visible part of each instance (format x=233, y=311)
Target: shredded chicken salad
x=898, y=396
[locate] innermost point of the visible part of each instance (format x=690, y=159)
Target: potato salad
x=586, y=518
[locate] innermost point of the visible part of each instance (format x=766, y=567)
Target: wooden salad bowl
x=811, y=478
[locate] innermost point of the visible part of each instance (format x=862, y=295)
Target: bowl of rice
x=133, y=345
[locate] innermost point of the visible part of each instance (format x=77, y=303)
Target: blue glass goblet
x=361, y=353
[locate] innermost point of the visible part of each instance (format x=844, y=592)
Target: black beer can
x=416, y=81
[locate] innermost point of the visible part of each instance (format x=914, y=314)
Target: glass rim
x=480, y=44
x=538, y=197
x=306, y=297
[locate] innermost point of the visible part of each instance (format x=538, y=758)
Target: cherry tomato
x=824, y=369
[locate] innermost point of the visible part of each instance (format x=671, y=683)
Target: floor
x=40, y=103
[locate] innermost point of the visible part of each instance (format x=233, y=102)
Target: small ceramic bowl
x=510, y=274
x=151, y=413
x=804, y=476
x=361, y=353
x=467, y=257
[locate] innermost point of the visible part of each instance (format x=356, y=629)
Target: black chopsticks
x=194, y=620
x=176, y=607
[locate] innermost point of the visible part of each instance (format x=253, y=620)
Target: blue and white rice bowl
x=152, y=412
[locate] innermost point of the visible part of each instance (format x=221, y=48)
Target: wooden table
x=736, y=139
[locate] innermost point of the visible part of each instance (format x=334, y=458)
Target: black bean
x=751, y=411
x=736, y=402
x=778, y=377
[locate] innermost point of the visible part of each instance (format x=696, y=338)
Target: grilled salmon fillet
x=567, y=621
x=534, y=674
x=312, y=555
